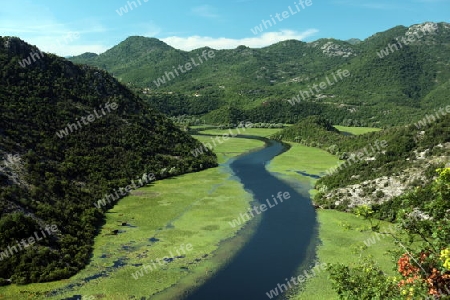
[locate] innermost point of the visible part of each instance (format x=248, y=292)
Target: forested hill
x=69, y=135
x=314, y=131
x=408, y=152
x=395, y=76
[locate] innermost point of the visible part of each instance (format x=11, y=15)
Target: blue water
x=280, y=242
x=308, y=175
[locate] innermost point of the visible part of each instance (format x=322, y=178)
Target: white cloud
x=38, y=26
x=73, y=50
x=62, y=43
x=265, y=39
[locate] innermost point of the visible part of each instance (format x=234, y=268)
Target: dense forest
x=48, y=177
x=258, y=83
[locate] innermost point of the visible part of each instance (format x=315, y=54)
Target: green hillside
x=380, y=92
x=69, y=135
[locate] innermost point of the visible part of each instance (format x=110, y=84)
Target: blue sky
x=69, y=27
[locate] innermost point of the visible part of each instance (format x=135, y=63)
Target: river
x=282, y=242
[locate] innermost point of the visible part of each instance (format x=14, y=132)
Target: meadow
x=231, y=147
x=356, y=130
x=342, y=237
x=262, y=132
x=156, y=220
x=189, y=209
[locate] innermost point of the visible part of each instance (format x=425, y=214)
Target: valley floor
x=184, y=219
x=160, y=218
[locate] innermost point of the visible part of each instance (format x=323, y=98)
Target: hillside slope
x=69, y=135
x=393, y=74
x=377, y=167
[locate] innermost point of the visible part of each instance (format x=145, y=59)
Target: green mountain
x=375, y=167
x=69, y=135
x=390, y=81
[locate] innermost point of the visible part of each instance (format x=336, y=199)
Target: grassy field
x=189, y=209
x=356, y=130
x=263, y=132
x=195, y=209
x=342, y=237
x=299, y=158
x=231, y=147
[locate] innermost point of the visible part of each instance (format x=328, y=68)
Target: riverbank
x=175, y=212
x=187, y=209
x=283, y=241
x=341, y=235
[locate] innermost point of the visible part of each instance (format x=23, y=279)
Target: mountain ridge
x=257, y=81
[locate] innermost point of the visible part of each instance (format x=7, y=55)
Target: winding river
x=281, y=243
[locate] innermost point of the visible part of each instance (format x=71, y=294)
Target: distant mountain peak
x=427, y=27
x=136, y=46
x=88, y=55
x=147, y=41
x=353, y=41
x=242, y=47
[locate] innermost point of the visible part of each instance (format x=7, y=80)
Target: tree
x=424, y=268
